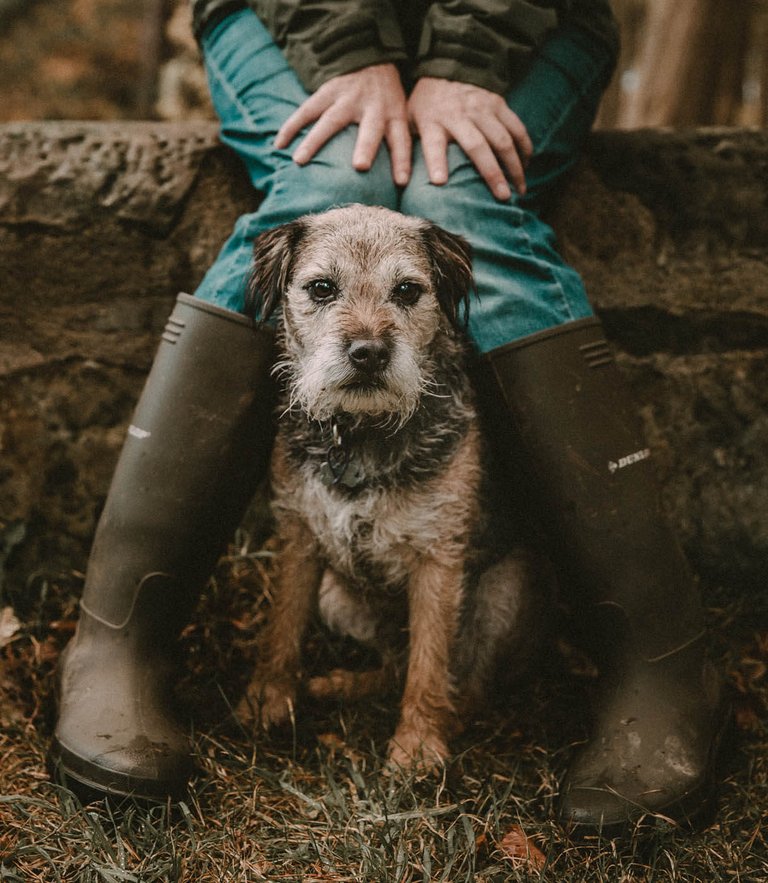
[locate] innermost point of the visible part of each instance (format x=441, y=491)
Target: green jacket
x=485, y=42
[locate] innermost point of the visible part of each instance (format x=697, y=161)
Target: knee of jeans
x=459, y=206
x=424, y=199
x=321, y=185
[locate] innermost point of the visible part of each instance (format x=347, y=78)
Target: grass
x=317, y=804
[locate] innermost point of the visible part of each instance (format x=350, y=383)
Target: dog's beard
x=323, y=384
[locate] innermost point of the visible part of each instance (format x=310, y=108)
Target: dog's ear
x=451, y=257
x=273, y=255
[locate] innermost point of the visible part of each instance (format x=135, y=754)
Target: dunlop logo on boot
x=623, y=462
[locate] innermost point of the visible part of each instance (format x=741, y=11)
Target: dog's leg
x=505, y=623
x=427, y=714
x=271, y=695
x=345, y=612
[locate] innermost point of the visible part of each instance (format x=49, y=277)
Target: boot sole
x=91, y=782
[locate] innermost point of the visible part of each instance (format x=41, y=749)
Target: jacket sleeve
x=490, y=43
x=325, y=38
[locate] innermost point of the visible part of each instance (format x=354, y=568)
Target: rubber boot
x=196, y=449
x=651, y=752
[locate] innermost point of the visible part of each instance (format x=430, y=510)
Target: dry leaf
x=521, y=850
x=331, y=741
x=63, y=626
x=9, y=626
x=747, y=713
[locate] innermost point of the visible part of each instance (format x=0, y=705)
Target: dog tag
x=341, y=469
x=353, y=475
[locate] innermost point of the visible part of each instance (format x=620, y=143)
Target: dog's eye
x=407, y=293
x=321, y=291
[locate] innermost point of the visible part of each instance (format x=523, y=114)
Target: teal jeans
x=523, y=284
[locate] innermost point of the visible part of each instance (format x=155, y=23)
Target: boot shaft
x=593, y=477
x=197, y=446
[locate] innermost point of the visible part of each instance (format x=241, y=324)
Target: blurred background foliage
x=684, y=62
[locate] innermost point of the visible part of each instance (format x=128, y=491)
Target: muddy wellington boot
x=656, y=731
x=196, y=449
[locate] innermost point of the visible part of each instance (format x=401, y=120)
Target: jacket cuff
x=352, y=41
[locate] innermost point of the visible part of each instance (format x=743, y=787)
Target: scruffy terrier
x=378, y=473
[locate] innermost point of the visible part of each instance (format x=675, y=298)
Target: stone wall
x=101, y=224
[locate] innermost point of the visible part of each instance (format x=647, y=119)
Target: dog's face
x=364, y=293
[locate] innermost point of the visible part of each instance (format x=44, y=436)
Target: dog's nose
x=368, y=355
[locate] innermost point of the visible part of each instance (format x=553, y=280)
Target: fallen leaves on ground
x=9, y=626
x=521, y=850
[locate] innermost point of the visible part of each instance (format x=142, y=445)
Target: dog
x=378, y=476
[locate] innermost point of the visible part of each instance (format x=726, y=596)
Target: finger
x=324, y=129
x=398, y=137
x=311, y=110
x=434, y=146
x=514, y=167
x=516, y=128
x=370, y=134
x=506, y=150
x=474, y=143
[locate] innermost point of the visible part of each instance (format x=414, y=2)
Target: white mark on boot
x=623, y=462
x=138, y=432
x=677, y=758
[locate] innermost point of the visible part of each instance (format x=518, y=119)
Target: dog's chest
x=393, y=497
x=374, y=537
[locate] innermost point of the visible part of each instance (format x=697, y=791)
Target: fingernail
x=502, y=192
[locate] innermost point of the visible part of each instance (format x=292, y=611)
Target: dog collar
x=341, y=467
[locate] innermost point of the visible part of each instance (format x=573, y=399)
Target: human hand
x=372, y=97
x=480, y=122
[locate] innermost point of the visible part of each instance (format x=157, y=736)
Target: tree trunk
x=691, y=65
x=630, y=15
x=763, y=67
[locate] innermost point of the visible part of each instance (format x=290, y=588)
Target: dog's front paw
x=413, y=751
x=267, y=703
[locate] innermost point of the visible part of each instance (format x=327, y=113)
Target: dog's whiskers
x=430, y=385
x=434, y=395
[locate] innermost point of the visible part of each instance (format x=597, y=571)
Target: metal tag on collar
x=340, y=466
